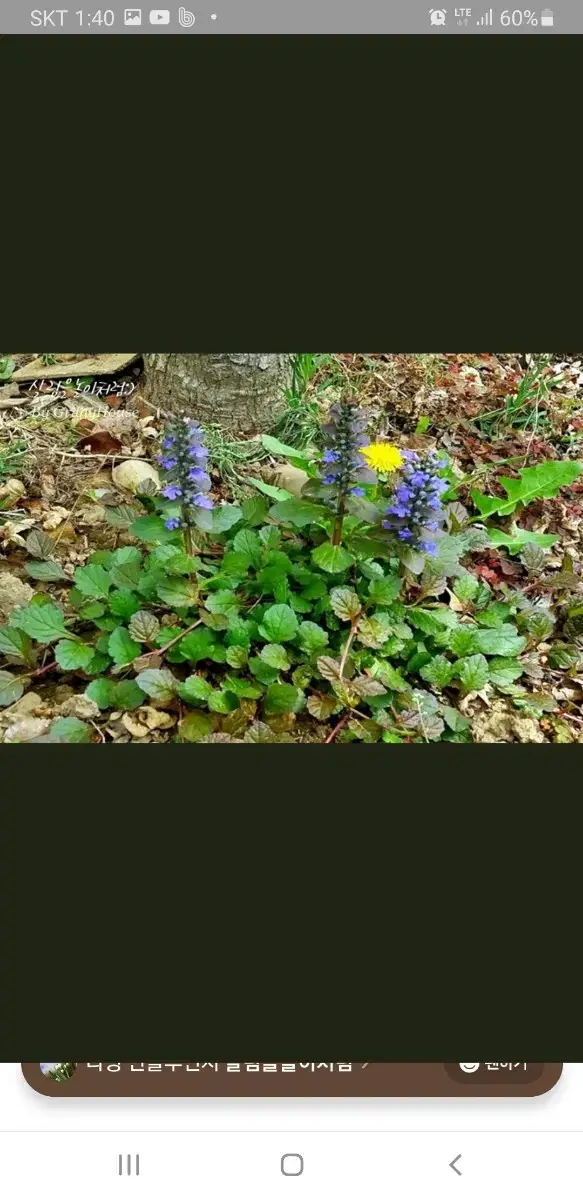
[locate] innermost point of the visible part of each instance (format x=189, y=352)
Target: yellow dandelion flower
x=383, y=456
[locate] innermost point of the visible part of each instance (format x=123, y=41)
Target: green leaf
x=311, y=637
x=39, y=544
x=123, y=604
x=321, y=707
x=486, y=505
x=222, y=603
x=439, y=672
x=563, y=655
x=127, y=695
x=126, y=575
x=144, y=626
x=274, y=446
x=538, y=622
x=533, y=557
x=254, y=510
x=43, y=622
x=282, y=698
x=462, y=642
x=195, y=726
x=504, y=641
x=275, y=656
x=101, y=691
x=197, y=644
x=280, y=624
x=71, y=729
x=374, y=631
x=149, y=583
x=194, y=689
x=385, y=590
x=11, y=688
x=274, y=493
x=345, y=603
x=473, y=672
x=504, y=671
x=466, y=588
x=73, y=656
x=222, y=702
x=177, y=593
x=242, y=687
x=92, y=610
x=98, y=664
x=270, y=537
x=120, y=514
x=262, y=671
x=519, y=538
x=495, y=615
x=219, y=519
x=151, y=529
x=247, y=542
x=332, y=558
x=126, y=554
x=425, y=620
x=391, y=678
x=15, y=643
x=47, y=571
x=543, y=480
x=454, y=719
x=122, y=647
x=236, y=563
x=237, y=656
x=158, y=683
x=93, y=581
x=298, y=512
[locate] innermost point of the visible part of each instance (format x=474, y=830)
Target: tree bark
x=243, y=393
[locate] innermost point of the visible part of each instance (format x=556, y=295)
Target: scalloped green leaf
x=122, y=648
x=279, y=624
x=73, y=656
x=333, y=559
x=93, y=580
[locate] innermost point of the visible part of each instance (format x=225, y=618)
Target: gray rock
x=13, y=593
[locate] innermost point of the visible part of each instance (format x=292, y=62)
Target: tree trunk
x=243, y=393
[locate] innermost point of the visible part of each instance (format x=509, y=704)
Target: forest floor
x=492, y=413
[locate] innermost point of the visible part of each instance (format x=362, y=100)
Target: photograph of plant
x=58, y=1072
x=308, y=548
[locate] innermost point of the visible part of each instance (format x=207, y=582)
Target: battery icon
x=547, y=17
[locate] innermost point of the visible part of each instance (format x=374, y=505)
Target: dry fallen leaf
x=55, y=517
x=100, y=441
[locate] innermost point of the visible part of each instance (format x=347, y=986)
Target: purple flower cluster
x=344, y=467
x=416, y=510
x=184, y=463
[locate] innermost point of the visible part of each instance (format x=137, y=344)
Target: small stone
x=13, y=593
x=30, y=703
x=79, y=706
x=290, y=478
x=131, y=473
x=25, y=730
x=11, y=491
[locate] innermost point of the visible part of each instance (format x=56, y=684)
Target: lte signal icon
x=185, y=18
x=132, y=16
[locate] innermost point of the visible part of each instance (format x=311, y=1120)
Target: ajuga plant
x=416, y=511
x=344, y=469
x=186, y=479
x=311, y=618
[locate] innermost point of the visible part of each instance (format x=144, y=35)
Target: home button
x=292, y=1164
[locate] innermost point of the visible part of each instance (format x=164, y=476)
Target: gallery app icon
x=132, y=16
x=159, y=16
